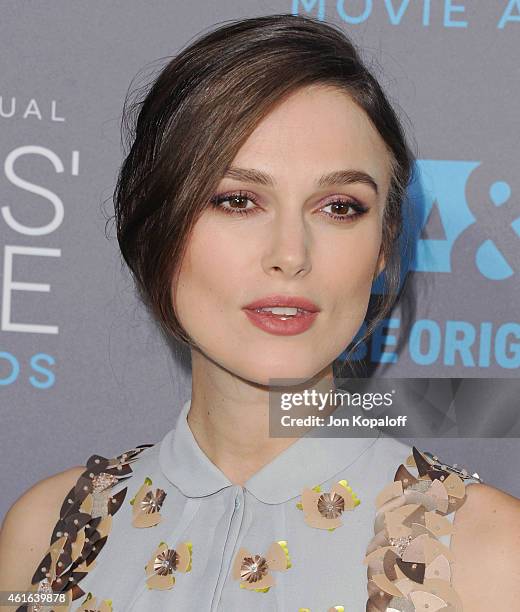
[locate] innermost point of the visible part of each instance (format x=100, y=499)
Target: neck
x=229, y=418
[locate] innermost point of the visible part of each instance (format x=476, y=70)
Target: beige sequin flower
x=164, y=561
x=254, y=570
x=323, y=510
x=146, y=505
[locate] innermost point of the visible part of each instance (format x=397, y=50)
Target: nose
x=288, y=250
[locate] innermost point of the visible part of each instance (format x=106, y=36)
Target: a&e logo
x=468, y=221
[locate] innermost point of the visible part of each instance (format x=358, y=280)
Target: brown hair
x=187, y=127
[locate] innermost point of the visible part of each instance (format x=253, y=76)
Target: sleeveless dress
x=331, y=524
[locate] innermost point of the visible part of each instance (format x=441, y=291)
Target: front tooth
x=282, y=311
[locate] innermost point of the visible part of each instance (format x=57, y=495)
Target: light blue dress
x=185, y=538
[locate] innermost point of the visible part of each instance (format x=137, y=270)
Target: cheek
x=347, y=270
x=210, y=277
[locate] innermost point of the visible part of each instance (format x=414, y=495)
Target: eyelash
x=218, y=199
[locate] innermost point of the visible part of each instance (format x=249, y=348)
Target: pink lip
x=274, y=324
x=283, y=300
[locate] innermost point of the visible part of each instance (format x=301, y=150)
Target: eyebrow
x=337, y=177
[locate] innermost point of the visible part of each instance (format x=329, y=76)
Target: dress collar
x=306, y=463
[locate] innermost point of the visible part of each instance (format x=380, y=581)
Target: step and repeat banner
x=84, y=370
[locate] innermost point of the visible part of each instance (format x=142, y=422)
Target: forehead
x=315, y=129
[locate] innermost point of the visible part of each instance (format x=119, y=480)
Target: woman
x=267, y=171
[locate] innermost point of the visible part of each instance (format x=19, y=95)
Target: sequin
x=323, y=510
x=331, y=505
x=103, y=481
x=44, y=587
x=401, y=543
x=152, y=502
x=83, y=527
x=400, y=604
x=164, y=561
x=421, y=485
x=254, y=570
x=146, y=505
x=413, y=573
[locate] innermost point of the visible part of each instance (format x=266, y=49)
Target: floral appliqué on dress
x=323, y=510
x=164, y=561
x=146, y=505
x=254, y=571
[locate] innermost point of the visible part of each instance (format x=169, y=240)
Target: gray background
x=118, y=382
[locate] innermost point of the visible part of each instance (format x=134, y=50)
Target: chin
x=264, y=374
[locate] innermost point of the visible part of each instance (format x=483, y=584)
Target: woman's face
x=295, y=240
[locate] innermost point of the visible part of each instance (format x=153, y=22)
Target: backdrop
x=80, y=360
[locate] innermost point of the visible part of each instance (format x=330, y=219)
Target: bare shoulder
x=486, y=549
x=27, y=528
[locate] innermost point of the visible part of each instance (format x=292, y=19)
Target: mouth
x=282, y=315
x=287, y=302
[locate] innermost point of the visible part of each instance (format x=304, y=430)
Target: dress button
x=237, y=502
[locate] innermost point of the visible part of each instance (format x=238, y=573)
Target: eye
x=236, y=203
x=343, y=210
